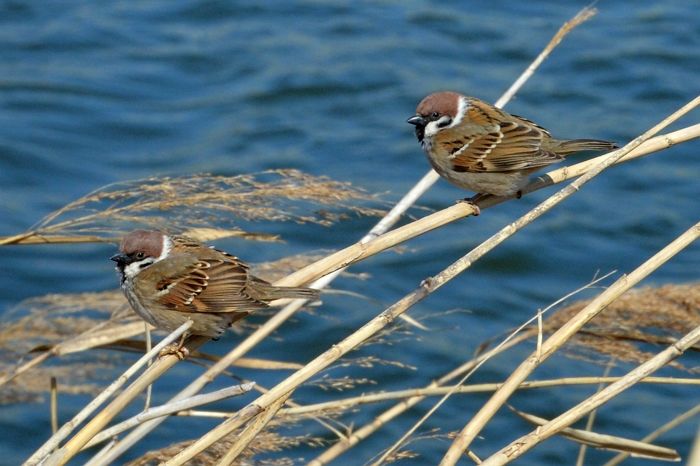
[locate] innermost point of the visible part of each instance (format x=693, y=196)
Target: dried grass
x=265, y=442
x=639, y=319
x=194, y=204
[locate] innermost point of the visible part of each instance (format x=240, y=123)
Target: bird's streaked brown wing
x=489, y=140
x=212, y=285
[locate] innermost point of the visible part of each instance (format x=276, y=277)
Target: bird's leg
x=178, y=349
x=473, y=201
x=519, y=194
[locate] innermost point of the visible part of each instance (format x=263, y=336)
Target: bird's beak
x=416, y=120
x=120, y=258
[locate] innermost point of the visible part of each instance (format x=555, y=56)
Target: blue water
x=97, y=92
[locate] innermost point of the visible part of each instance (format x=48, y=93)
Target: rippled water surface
x=94, y=93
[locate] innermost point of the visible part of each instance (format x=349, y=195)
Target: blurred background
x=93, y=93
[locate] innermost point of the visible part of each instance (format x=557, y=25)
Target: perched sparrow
x=169, y=280
x=481, y=148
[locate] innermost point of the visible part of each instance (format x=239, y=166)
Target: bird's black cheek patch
x=420, y=133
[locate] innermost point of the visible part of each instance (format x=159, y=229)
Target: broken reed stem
x=581, y=17
x=518, y=447
x=673, y=423
x=168, y=409
x=607, y=442
x=559, y=338
x=427, y=287
x=468, y=433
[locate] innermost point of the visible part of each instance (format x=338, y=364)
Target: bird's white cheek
x=431, y=129
x=131, y=270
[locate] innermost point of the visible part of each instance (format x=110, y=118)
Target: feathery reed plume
x=191, y=204
x=638, y=320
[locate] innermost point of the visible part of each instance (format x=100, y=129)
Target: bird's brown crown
x=148, y=242
x=440, y=103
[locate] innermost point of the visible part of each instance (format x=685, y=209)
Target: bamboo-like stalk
x=427, y=286
x=367, y=398
x=518, y=447
x=673, y=423
x=558, y=339
x=68, y=427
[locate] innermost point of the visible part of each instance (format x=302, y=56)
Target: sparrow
x=479, y=147
x=170, y=279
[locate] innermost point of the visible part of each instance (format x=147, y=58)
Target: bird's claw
x=177, y=349
x=472, y=201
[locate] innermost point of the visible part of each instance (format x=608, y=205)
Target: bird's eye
x=435, y=115
x=140, y=255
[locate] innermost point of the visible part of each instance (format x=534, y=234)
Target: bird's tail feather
x=578, y=145
x=288, y=292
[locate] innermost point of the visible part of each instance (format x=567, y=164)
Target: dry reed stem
x=251, y=430
x=581, y=17
x=168, y=409
x=673, y=423
x=366, y=398
x=587, y=438
x=518, y=447
x=427, y=287
x=558, y=339
x=68, y=427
